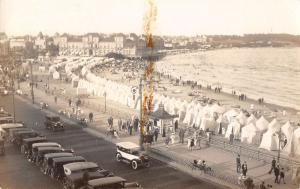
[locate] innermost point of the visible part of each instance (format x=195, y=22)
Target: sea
x=269, y=73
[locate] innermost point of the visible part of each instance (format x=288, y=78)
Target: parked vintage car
x=35, y=146
x=11, y=133
x=20, y=135
x=110, y=182
x=48, y=160
x=53, y=123
x=6, y=127
x=129, y=152
x=26, y=147
x=2, y=148
x=76, y=180
x=57, y=170
x=81, y=167
x=41, y=151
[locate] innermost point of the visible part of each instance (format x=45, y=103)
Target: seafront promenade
x=177, y=155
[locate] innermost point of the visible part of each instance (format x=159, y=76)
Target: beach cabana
x=208, y=124
x=250, y=134
x=235, y=128
x=269, y=141
x=251, y=119
x=274, y=126
x=293, y=147
x=241, y=118
x=262, y=124
x=231, y=114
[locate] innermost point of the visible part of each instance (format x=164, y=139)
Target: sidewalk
x=177, y=155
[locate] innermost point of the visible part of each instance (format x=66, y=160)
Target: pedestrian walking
x=262, y=185
x=91, y=116
x=244, y=169
x=273, y=165
x=70, y=102
x=156, y=134
x=167, y=141
x=277, y=172
x=181, y=135
x=231, y=136
x=176, y=126
x=120, y=123
x=192, y=144
x=281, y=175
x=238, y=164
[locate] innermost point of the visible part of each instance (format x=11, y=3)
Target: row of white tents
x=211, y=116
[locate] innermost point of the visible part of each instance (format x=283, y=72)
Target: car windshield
x=135, y=152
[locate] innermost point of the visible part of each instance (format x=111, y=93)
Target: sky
x=174, y=17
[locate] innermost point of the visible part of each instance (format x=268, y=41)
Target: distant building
x=4, y=45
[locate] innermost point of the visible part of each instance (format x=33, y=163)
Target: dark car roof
x=58, y=154
x=48, y=148
x=78, y=176
x=105, y=181
x=25, y=132
x=34, y=139
x=67, y=159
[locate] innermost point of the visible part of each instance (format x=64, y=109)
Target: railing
x=187, y=164
x=248, y=152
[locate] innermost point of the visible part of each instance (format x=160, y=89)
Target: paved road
x=17, y=173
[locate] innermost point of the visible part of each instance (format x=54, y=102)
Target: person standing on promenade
x=120, y=123
x=273, y=165
x=244, y=168
x=91, y=116
x=181, y=136
x=176, y=125
x=238, y=164
x=155, y=134
x=276, y=172
x=281, y=176
x=192, y=144
x=70, y=102
x=262, y=185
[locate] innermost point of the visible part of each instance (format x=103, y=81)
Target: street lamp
x=141, y=114
x=280, y=141
x=104, y=101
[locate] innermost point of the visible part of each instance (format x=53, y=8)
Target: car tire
x=147, y=164
x=134, y=164
x=119, y=157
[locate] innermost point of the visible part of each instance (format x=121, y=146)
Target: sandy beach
x=167, y=86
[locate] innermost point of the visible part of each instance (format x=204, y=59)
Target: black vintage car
x=26, y=148
x=20, y=135
x=2, y=149
x=11, y=133
x=35, y=146
x=48, y=160
x=76, y=180
x=53, y=123
x=57, y=170
x=41, y=151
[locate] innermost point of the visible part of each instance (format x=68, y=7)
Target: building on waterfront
x=94, y=44
x=4, y=45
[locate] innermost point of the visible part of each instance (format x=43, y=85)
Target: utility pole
x=32, y=93
x=141, y=114
x=279, y=145
x=13, y=92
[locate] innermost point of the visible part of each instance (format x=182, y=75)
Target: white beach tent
x=274, y=126
x=250, y=134
x=56, y=75
x=241, y=118
x=262, y=124
x=231, y=114
x=269, y=141
x=233, y=127
x=208, y=123
x=293, y=146
x=251, y=119
x=288, y=130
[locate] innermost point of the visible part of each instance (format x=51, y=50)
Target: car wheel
x=118, y=157
x=134, y=165
x=147, y=164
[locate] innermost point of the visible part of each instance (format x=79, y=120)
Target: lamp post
x=32, y=92
x=279, y=145
x=141, y=114
x=105, y=101
x=13, y=96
